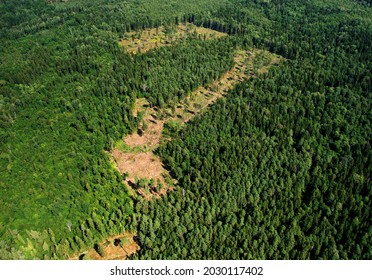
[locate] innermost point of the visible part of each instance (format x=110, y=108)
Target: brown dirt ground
x=149, y=138
x=142, y=165
x=140, y=162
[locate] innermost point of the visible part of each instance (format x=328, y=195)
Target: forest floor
x=134, y=155
x=150, y=38
x=117, y=247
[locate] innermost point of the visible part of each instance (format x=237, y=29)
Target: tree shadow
x=117, y=242
x=137, y=240
x=171, y=173
x=132, y=185
x=96, y=248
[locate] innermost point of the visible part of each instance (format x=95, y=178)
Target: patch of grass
x=138, y=149
x=121, y=146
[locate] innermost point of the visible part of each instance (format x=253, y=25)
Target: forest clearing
x=145, y=40
x=117, y=247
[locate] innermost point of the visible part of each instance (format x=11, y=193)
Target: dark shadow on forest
x=132, y=185
x=171, y=173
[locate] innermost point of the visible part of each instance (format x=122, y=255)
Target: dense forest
x=279, y=169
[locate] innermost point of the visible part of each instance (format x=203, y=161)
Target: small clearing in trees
x=145, y=166
x=114, y=248
x=150, y=38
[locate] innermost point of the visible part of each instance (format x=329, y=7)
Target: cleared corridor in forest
x=134, y=155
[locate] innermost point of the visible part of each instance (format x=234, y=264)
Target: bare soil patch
x=145, y=166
